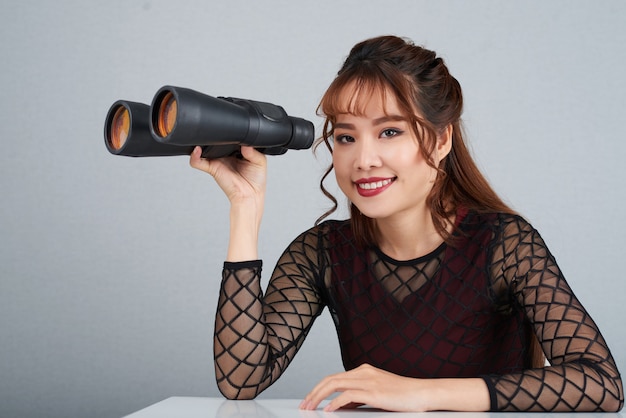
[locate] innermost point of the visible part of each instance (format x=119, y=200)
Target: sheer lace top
x=468, y=309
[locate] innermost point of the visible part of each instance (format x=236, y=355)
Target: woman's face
x=377, y=161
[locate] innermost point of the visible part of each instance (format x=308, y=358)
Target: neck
x=409, y=237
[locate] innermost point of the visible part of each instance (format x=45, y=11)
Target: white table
x=194, y=407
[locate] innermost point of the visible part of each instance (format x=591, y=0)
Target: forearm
x=240, y=339
x=581, y=386
x=467, y=394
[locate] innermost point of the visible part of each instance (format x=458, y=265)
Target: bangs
x=352, y=98
x=351, y=92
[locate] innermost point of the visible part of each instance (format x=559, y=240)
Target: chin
x=373, y=213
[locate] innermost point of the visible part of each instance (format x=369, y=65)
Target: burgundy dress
x=467, y=309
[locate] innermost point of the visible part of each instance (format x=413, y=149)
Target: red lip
x=374, y=191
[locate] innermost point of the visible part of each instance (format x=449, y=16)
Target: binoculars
x=179, y=119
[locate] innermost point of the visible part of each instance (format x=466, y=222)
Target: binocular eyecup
x=179, y=119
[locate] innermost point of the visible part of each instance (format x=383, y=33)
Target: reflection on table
x=195, y=407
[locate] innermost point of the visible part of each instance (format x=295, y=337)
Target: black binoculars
x=179, y=119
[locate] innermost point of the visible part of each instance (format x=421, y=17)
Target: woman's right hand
x=243, y=181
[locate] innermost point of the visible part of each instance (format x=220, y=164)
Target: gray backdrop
x=110, y=266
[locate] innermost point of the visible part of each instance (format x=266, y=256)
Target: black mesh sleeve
x=256, y=336
x=582, y=374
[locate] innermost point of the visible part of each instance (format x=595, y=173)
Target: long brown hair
x=431, y=99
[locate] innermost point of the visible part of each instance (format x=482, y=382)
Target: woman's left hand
x=368, y=385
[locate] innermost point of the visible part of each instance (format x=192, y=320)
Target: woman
x=439, y=292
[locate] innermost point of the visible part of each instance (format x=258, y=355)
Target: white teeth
x=374, y=185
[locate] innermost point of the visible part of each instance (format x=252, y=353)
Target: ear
x=444, y=143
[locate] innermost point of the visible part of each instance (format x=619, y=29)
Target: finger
x=348, y=399
x=195, y=159
x=253, y=155
x=312, y=399
x=199, y=163
x=359, y=378
x=354, y=374
x=332, y=384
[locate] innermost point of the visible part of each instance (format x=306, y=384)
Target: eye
x=343, y=139
x=390, y=133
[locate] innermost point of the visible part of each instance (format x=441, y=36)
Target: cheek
x=407, y=160
x=406, y=151
x=340, y=163
x=416, y=169
x=343, y=174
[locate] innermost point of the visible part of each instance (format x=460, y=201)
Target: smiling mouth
x=374, y=184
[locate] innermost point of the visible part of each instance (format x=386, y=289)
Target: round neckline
x=426, y=257
x=461, y=218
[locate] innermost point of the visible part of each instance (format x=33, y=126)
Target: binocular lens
x=120, y=128
x=167, y=112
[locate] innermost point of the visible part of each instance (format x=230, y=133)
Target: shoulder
x=336, y=229
x=329, y=227
x=315, y=246
x=497, y=228
x=515, y=227
x=508, y=234
x=327, y=231
x=496, y=221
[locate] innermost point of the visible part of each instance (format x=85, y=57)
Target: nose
x=366, y=155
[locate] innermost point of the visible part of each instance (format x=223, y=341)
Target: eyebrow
x=375, y=122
